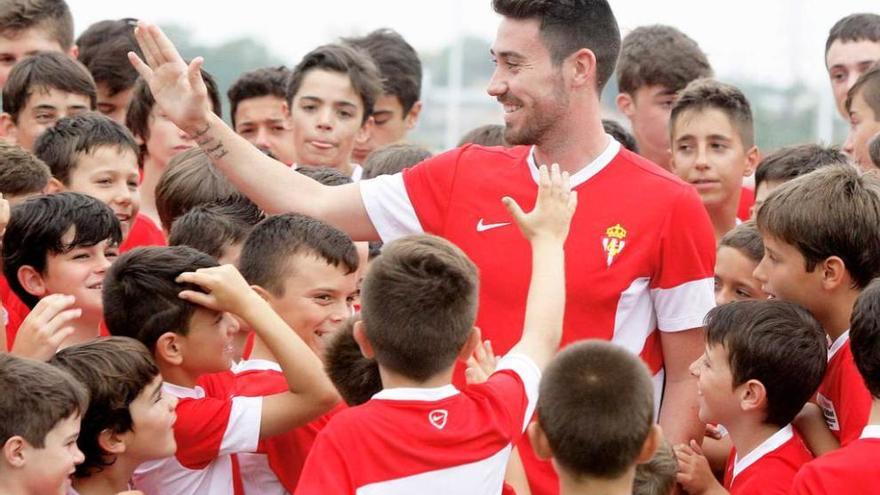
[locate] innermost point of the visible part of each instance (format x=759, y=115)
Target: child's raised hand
x=178, y=88
x=694, y=473
x=481, y=364
x=224, y=289
x=551, y=216
x=45, y=328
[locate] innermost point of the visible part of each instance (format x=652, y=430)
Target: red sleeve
x=208, y=428
x=682, y=283
x=429, y=187
x=16, y=311
x=325, y=471
x=807, y=482
x=507, y=490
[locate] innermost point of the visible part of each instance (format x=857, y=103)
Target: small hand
x=45, y=328
x=694, y=473
x=551, y=216
x=481, y=364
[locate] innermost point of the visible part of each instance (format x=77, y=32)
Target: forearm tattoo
x=212, y=146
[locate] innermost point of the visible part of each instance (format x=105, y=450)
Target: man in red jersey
x=641, y=274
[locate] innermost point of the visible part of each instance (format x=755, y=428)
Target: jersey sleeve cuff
x=243, y=430
x=388, y=205
x=530, y=375
x=685, y=306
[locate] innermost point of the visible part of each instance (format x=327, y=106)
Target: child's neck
x=747, y=435
x=874, y=419
x=837, y=311
x=85, y=328
x=723, y=217
x=109, y=481
x=261, y=351
x=177, y=375
x=152, y=174
x=590, y=486
x=391, y=379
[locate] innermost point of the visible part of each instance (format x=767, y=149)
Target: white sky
x=772, y=41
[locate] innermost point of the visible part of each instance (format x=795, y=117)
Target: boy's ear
x=652, y=443
x=539, y=441
x=54, y=186
x=262, y=293
x=111, y=442
x=626, y=104
x=360, y=336
x=412, y=118
x=753, y=396
x=32, y=281
x=363, y=134
x=753, y=158
x=13, y=451
x=169, y=348
x=8, y=129
x=73, y=52
x=474, y=339
x=834, y=273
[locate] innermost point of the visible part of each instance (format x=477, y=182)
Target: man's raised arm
x=180, y=92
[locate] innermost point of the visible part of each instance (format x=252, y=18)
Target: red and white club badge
x=438, y=418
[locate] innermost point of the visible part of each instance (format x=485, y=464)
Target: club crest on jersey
x=613, y=242
x=438, y=417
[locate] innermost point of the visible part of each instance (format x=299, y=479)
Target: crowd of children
x=305, y=303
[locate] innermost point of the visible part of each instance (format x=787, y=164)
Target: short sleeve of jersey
x=325, y=470
x=807, y=482
x=209, y=428
x=521, y=394
x=413, y=201
x=682, y=288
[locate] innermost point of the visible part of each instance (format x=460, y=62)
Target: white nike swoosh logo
x=482, y=227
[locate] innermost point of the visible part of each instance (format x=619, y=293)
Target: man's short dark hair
x=398, y=64
x=394, y=158
x=213, y=227
x=832, y=211
x=35, y=398
x=745, y=238
x=703, y=94
x=660, y=55
x=596, y=407
x=51, y=16
x=328, y=176
x=354, y=375
x=103, y=49
x=189, y=180
x=855, y=27
x=568, y=26
x=268, y=81
x=868, y=84
x=419, y=305
x=137, y=118
x=789, y=162
x=343, y=59
x=485, y=135
x=46, y=70
x=73, y=137
x=776, y=342
x=141, y=293
x=267, y=254
x=864, y=336
x=21, y=172
x=620, y=134
x=37, y=226
x=115, y=370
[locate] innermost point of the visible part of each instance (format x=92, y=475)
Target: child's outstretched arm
x=546, y=228
x=311, y=392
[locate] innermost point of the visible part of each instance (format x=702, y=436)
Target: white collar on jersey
x=843, y=339
x=255, y=365
x=774, y=442
x=589, y=170
x=871, y=431
x=417, y=394
x=183, y=392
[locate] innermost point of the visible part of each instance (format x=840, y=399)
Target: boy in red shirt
x=178, y=302
x=763, y=361
x=821, y=234
x=421, y=434
x=853, y=469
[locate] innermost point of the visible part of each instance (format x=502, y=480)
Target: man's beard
x=539, y=123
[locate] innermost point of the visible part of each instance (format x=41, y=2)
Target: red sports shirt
x=143, y=233
x=843, y=396
x=770, y=468
x=853, y=470
x=426, y=441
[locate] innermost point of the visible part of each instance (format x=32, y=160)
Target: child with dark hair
x=62, y=244
x=863, y=108
x=394, y=158
x=128, y=420
x=764, y=360
x=260, y=111
x=31, y=26
x=739, y=253
x=103, y=49
x=620, y=134
x=22, y=175
x=217, y=229
x=355, y=376
x=40, y=411
x=853, y=44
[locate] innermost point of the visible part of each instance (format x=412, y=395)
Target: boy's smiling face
x=110, y=174
x=49, y=468
x=783, y=274
x=717, y=397
x=43, y=108
x=208, y=344
x=152, y=413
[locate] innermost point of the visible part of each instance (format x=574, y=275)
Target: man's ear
x=8, y=129
x=13, y=451
x=111, y=442
x=412, y=117
x=583, y=68
x=360, y=336
x=539, y=441
x=753, y=158
x=169, y=348
x=32, y=281
x=753, y=396
x=626, y=104
x=834, y=273
x=474, y=339
x=652, y=443
x=55, y=186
